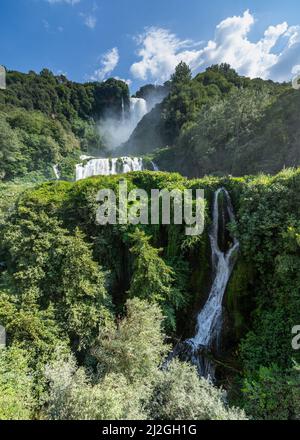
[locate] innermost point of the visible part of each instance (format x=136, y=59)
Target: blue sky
x=142, y=40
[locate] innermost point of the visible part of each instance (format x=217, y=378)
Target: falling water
x=115, y=130
x=123, y=110
x=209, y=321
x=155, y=167
x=56, y=171
x=106, y=167
x=138, y=109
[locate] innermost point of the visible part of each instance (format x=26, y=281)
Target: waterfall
x=108, y=166
x=209, y=321
x=56, y=171
x=116, y=131
x=123, y=110
x=138, y=109
x=155, y=167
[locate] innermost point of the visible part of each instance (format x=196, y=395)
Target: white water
x=155, y=167
x=106, y=167
x=138, y=109
x=209, y=322
x=115, y=131
x=56, y=171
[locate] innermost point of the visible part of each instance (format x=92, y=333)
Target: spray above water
x=116, y=131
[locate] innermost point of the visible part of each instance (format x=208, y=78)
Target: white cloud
x=296, y=69
x=89, y=20
x=68, y=2
x=231, y=45
x=50, y=29
x=109, y=62
x=289, y=58
x=160, y=50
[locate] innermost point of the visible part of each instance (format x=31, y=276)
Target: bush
x=179, y=394
x=16, y=382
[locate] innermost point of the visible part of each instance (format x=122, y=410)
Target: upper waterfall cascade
x=138, y=109
x=107, y=166
x=56, y=171
x=115, y=132
x=117, y=129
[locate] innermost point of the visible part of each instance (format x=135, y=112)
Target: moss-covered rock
x=238, y=301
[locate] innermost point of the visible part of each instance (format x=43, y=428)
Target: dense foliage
x=62, y=99
x=220, y=123
x=91, y=312
x=47, y=120
x=96, y=302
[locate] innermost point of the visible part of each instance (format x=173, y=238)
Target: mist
x=115, y=131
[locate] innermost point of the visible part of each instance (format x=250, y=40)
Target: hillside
x=47, y=120
x=220, y=123
x=216, y=123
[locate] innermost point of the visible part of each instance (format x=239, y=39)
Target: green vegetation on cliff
x=90, y=301
x=221, y=123
x=47, y=120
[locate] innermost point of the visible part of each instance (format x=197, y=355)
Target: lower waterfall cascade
x=210, y=318
x=107, y=166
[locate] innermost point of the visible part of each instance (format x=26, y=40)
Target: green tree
x=273, y=394
x=16, y=383
x=74, y=395
x=133, y=346
x=179, y=394
x=54, y=269
x=182, y=75
x=152, y=279
x=10, y=154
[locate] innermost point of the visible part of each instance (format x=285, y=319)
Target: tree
x=179, y=394
x=173, y=394
x=182, y=75
x=74, y=395
x=54, y=269
x=10, y=146
x=152, y=279
x=16, y=382
x=273, y=394
x=133, y=346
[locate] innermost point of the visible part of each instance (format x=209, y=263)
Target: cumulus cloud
x=160, y=50
x=50, y=28
x=109, y=62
